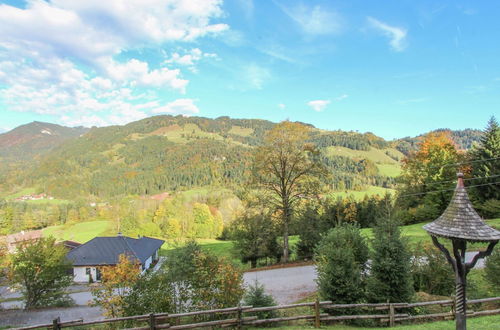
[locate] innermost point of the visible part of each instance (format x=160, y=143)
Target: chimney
x=460, y=180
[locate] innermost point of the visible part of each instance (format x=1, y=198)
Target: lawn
x=415, y=233
x=359, y=195
x=79, y=232
x=477, y=323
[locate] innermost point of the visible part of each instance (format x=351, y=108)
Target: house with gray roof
x=105, y=251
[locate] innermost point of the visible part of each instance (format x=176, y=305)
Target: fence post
x=240, y=316
x=55, y=324
x=152, y=322
x=317, y=320
x=391, y=315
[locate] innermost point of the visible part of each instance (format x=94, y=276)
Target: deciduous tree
x=40, y=269
x=286, y=167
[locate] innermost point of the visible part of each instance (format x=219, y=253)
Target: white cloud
x=318, y=105
x=314, y=20
x=397, y=35
x=281, y=106
x=189, y=58
x=69, y=57
x=179, y=106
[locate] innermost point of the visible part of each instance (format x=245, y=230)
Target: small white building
x=105, y=251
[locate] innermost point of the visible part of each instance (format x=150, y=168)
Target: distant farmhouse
x=105, y=251
x=34, y=197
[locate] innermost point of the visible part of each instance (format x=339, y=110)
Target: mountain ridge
x=166, y=153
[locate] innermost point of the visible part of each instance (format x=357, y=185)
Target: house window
x=87, y=271
x=144, y=266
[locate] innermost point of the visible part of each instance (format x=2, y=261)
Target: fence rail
x=238, y=319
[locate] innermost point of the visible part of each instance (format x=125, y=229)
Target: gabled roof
x=461, y=221
x=106, y=250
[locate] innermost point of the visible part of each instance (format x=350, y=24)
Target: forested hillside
x=169, y=153
x=464, y=139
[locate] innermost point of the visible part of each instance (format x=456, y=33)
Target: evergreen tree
x=484, y=164
x=340, y=258
x=257, y=297
x=390, y=277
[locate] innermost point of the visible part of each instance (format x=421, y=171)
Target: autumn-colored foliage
x=116, y=281
x=286, y=167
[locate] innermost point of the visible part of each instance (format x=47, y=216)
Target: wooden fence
x=386, y=313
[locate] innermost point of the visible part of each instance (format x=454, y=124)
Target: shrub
x=431, y=272
x=257, y=297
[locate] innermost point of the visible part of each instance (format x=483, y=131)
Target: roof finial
x=460, y=180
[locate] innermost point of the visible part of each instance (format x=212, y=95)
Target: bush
x=41, y=270
x=492, y=271
x=256, y=297
x=431, y=272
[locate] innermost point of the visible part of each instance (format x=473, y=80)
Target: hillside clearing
x=359, y=195
x=80, y=232
x=379, y=156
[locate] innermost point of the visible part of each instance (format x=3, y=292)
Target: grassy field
x=478, y=323
x=390, y=170
x=415, y=233
x=378, y=156
x=359, y=195
x=80, y=232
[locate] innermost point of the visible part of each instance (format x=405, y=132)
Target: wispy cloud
x=179, y=106
x=410, y=101
x=341, y=97
x=247, y=7
x=318, y=105
x=256, y=75
x=397, y=35
x=282, y=106
x=314, y=20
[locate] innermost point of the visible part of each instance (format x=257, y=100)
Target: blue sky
x=395, y=68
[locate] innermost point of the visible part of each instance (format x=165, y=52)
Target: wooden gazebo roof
x=461, y=221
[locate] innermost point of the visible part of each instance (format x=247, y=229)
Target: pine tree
x=390, y=277
x=487, y=163
x=340, y=258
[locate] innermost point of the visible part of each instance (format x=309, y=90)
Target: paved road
x=286, y=285
x=18, y=317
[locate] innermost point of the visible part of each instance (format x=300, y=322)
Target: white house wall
x=80, y=274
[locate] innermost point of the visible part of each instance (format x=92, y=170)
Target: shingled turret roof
x=461, y=221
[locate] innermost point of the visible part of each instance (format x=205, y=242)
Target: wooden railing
x=384, y=312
